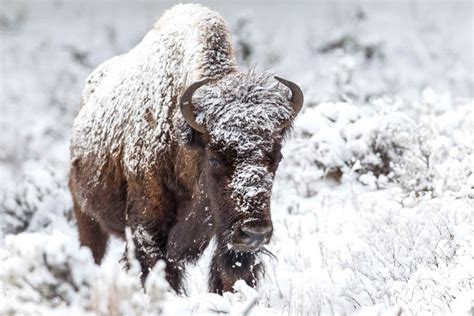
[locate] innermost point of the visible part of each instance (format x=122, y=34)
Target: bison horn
x=297, y=97
x=187, y=108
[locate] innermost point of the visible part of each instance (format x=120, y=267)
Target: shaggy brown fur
x=137, y=163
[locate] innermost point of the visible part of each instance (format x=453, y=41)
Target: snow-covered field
x=373, y=205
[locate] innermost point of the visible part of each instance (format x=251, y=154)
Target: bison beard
x=180, y=162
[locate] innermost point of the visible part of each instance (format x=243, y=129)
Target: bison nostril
x=256, y=234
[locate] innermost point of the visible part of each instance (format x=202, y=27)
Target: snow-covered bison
x=173, y=141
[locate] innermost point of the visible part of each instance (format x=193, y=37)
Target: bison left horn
x=297, y=97
x=187, y=108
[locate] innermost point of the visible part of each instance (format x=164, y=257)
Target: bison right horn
x=297, y=97
x=187, y=108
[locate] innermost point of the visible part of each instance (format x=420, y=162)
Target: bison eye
x=214, y=162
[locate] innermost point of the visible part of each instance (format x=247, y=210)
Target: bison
x=175, y=142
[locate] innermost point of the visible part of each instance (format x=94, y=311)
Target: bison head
x=238, y=123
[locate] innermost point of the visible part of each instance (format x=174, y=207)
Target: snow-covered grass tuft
x=42, y=273
x=37, y=200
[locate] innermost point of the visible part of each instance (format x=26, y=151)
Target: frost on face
x=251, y=187
x=246, y=115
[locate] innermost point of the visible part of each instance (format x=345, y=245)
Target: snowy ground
x=373, y=205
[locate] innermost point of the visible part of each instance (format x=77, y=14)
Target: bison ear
x=186, y=105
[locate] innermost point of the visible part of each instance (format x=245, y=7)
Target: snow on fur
x=245, y=113
x=144, y=84
x=129, y=106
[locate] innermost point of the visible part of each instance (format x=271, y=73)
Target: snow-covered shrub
x=451, y=142
x=35, y=201
x=119, y=292
x=334, y=140
x=383, y=142
x=12, y=17
x=41, y=272
x=244, y=41
x=44, y=273
x=251, y=47
x=355, y=59
x=349, y=247
x=419, y=258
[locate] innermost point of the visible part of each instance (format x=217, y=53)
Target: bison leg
x=91, y=234
x=150, y=250
x=186, y=242
x=174, y=275
x=149, y=220
x=227, y=267
x=149, y=247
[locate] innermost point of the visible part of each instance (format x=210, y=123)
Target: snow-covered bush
x=251, y=49
x=119, y=292
x=334, y=140
x=36, y=200
x=49, y=273
x=352, y=248
x=421, y=254
x=41, y=272
x=378, y=143
x=450, y=122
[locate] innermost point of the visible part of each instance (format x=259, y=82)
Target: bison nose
x=256, y=236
